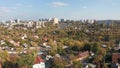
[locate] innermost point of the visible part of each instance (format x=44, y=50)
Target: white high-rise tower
x=55, y=21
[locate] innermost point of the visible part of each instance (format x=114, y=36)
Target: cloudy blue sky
x=69, y=9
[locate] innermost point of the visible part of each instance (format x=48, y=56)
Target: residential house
x=30, y=24
x=2, y=42
x=45, y=39
x=36, y=36
x=39, y=63
x=82, y=56
x=24, y=36
x=91, y=65
x=115, y=60
x=104, y=46
x=116, y=57
x=14, y=43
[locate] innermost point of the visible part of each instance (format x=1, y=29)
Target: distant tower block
x=55, y=21
x=30, y=24
x=3, y=22
x=17, y=21
x=50, y=20
x=38, y=24
x=43, y=24
x=11, y=21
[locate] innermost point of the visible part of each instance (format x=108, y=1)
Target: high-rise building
x=17, y=21
x=55, y=21
x=2, y=22
x=50, y=19
x=30, y=24
x=63, y=20
x=91, y=21
x=12, y=21
x=38, y=24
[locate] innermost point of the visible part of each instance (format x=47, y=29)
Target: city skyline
x=73, y=9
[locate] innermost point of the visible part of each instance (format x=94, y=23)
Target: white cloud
x=84, y=7
x=18, y=4
x=6, y=10
x=14, y=7
x=59, y=4
x=23, y=5
x=29, y=6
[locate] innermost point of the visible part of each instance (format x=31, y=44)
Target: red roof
x=115, y=57
x=38, y=60
x=86, y=53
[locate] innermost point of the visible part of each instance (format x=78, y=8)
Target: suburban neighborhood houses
x=59, y=33
x=54, y=43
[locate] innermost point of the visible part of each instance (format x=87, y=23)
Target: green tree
x=58, y=63
x=89, y=66
x=105, y=65
x=27, y=60
x=77, y=64
x=4, y=56
x=87, y=47
x=96, y=48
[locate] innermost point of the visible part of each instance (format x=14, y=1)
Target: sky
x=68, y=9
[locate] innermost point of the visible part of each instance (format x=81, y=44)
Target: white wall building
x=40, y=65
x=91, y=21
x=12, y=21
x=17, y=21
x=55, y=21
x=40, y=24
x=50, y=19
x=43, y=23
x=2, y=42
x=30, y=24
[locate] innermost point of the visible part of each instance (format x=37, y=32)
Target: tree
x=58, y=63
x=89, y=66
x=106, y=38
x=105, y=65
x=77, y=45
x=53, y=50
x=77, y=64
x=96, y=48
x=27, y=60
x=60, y=50
x=100, y=57
x=87, y=47
x=4, y=56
